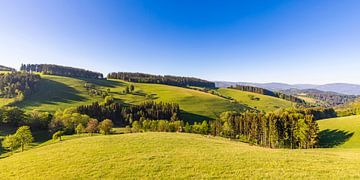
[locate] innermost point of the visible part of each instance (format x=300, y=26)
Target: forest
x=268, y=92
x=51, y=69
x=158, y=79
x=17, y=84
x=324, y=99
x=123, y=115
x=285, y=129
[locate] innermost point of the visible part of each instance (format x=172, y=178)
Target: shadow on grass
x=51, y=92
x=103, y=82
x=191, y=117
x=331, y=138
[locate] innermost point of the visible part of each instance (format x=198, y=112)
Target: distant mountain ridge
x=342, y=88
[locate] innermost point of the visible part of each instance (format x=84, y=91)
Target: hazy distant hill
x=343, y=88
x=4, y=68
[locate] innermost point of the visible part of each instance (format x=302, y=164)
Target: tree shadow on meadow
x=51, y=92
x=191, y=117
x=332, y=138
x=103, y=82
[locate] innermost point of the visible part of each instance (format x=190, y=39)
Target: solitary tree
x=24, y=136
x=105, y=126
x=132, y=88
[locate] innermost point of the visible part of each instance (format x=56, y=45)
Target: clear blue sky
x=299, y=41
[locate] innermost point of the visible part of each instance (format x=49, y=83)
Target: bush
x=10, y=142
x=105, y=126
x=58, y=135
x=92, y=126
x=80, y=129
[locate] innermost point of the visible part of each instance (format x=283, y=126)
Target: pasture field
x=342, y=132
x=196, y=105
x=254, y=100
x=175, y=155
x=58, y=92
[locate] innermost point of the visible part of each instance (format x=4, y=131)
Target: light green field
x=57, y=92
x=308, y=99
x=175, y=155
x=265, y=103
x=196, y=104
x=341, y=132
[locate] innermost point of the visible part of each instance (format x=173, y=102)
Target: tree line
x=52, y=69
x=124, y=115
x=323, y=99
x=267, y=92
x=17, y=84
x=282, y=129
x=158, y=79
x=14, y=116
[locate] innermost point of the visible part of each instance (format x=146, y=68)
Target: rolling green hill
x=264, y=103
x=175, y=155
x=343, y=132
x=57, y=92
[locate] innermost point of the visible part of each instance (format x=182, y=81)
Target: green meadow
x=263, y=102
x=175, y=155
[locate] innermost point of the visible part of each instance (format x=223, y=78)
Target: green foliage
x=105, y=126
x=136, y=127
x=11, y=115
x=80, y=129
x=169, y=80
x=92, y=126
x=52, y=69
x=67, y=121
x=37, y=120
x=23, y=136
x=17, y=84
x=57, y=135
x=11, y=142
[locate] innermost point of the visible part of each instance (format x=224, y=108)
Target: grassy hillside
x=341, y=132
x=197, y=105
x=264, y=103
x=57, y=92
x=170, y=155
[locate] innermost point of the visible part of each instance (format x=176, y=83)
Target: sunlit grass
x=175, y=155
x=264, y=103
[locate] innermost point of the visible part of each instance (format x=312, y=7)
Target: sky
x=289, y=41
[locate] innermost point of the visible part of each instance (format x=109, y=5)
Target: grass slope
x=57, y=92
x=196, y=104
x=174, y=155
x=343, y=132
x=266, y=103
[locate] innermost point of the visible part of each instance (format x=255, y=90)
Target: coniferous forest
x=125, y=115
x=157, y=79
x=52, y=69
x=17, y=83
